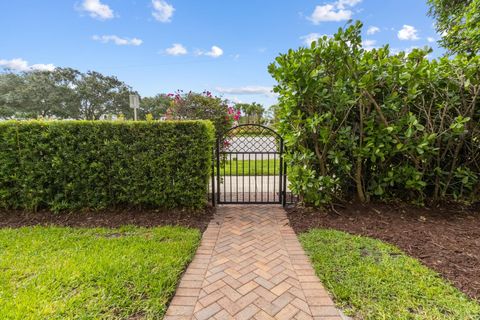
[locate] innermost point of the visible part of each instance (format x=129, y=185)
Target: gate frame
x=216, y=182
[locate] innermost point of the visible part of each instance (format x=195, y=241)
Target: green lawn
x=374, y=280
x=247, y=168
x=65, y=273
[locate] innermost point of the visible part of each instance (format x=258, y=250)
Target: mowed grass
x=253, y=167
x=374, y=280
x=65, y=273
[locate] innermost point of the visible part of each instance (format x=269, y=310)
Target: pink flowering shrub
x=204, y=106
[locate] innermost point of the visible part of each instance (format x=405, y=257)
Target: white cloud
x=431, y=39
x=341, y=4
x=15, y=64
x=42, y=67
x=236, y=100
x=252, y=90
x=408, y=33
x=162, y=11
x=406, y=50
x=176, y=50
x=368, y=44
x=309, y=38
x=372, y=30
x=214, y=52
x=118, y=41
x=328, y=12
x=97, y=10
x=410, y=49
x=19, y=64
x=336, y=11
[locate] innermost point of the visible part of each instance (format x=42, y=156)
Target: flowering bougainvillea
x=234, y=114
x=204, y=106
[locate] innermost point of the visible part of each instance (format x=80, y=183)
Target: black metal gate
x=249, y=167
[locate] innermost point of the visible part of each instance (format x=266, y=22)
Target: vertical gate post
x=281, y=194
x=213, y=177
x=218, y=170
x=284, y=174
x=284, y=198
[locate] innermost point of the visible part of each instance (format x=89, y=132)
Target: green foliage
x=459, y=23
x=378, y=125
x=71, y=273
x=9, y=101
x=66, y=93
x=203, y=106
x=101, y=95
x=63, y=93
x=157, y=106
x=81, y=164
x=272, y=115
x=39, y=94
x=374, y=280
x=149, y=117
x=253, y=112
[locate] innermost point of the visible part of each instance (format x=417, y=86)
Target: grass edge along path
x=66, y=273
x=370, y=279
x=250, y=167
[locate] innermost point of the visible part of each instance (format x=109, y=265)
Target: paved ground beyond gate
x=250, y=265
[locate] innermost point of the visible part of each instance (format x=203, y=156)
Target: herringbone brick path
x=250, y=265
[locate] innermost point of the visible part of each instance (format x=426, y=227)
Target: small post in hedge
x=134, y=104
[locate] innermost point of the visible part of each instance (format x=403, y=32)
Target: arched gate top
x=251, y=138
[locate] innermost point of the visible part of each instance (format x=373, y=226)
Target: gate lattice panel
x=249, y=167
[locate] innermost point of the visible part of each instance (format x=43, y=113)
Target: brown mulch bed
x=108, y=218
x=446, y=239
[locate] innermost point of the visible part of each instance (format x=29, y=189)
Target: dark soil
x=446, y=239
x=109, y=218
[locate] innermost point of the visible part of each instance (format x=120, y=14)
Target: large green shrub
x=459, y=24
x=374, y=124
x=81, y=164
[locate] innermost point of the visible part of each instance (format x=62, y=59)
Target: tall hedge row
x=65, y=165
x=378, y=125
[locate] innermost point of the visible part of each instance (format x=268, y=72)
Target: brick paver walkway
x=250, y=265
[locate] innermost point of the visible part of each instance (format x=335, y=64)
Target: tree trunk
x=359, y=164
x=321, y=160
x=358, y=180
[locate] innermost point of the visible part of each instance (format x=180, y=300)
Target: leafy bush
x=81, y=164
x=379, y=125
x=204, y=106
x=459, y=24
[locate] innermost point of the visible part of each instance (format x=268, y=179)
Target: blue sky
x=159, y=46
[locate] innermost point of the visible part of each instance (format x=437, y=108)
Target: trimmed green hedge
x=65, y=165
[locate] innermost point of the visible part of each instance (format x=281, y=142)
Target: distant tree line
x=66, y=93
